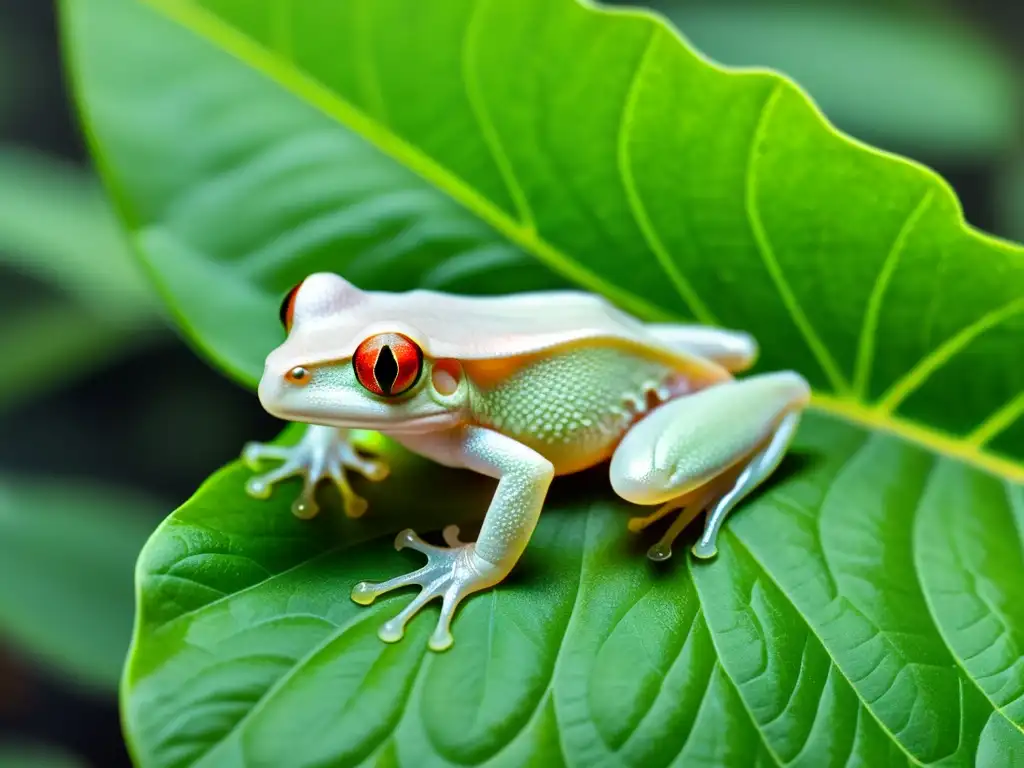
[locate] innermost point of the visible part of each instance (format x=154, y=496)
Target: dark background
x=151, y=416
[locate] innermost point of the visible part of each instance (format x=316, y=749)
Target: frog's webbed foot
x=688, y=508
x=323, y=453
x=451, y=573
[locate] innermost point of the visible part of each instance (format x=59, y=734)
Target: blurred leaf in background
x=7, y=91
x=56, y=226
x=35, y=756
x=918, y=81
x=1010, y=198
x=67, y=556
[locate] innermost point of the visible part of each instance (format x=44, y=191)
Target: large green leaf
x=854, y=614
x=67, y=554
x=861, y=608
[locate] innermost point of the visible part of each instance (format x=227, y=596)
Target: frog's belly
x=573, y=406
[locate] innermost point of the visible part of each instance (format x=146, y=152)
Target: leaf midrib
x=270, y=63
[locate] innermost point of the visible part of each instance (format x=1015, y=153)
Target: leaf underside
x=861, y=609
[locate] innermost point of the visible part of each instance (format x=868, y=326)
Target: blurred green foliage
x=57, y=227
x=69, y=546
x=921, y=81
x=36, y=756
x=66, y=545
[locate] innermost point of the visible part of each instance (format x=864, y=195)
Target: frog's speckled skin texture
x=521, y=389
x=572, y=405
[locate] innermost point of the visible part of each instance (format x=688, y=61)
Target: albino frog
x=520, y=388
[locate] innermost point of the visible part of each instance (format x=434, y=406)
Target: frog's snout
x=269, y=391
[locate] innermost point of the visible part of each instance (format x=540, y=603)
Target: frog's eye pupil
x=385, y=370
x=388, y=364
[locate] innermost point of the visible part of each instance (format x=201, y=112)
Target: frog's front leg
x=459, y=569
x=707, y=451
x=322, y=453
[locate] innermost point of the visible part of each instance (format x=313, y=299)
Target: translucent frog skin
x=519, y=388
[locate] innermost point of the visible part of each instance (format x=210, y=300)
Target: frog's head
x=384, y=382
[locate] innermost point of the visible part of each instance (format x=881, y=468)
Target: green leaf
x=861, y=609
x=816, y=633
x=877, y=72
x=67, y=554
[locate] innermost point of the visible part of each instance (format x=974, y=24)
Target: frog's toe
x=639, y=523
x=323, y=453
x=353, y=504
x=451, y=574
x=705, y=550
x=349, y=458
x=260, y=486
x=254, y=453
x=409, y=539
x=451, y=537
x=304, y=506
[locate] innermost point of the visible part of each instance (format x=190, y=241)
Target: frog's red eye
x=288, y=307
x=388, y=364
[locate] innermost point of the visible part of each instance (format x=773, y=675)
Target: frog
x=520, y=388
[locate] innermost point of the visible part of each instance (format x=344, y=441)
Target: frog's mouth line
x=429, y=423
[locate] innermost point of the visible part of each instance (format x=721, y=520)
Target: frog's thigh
x=734, y=350
x=712, y=448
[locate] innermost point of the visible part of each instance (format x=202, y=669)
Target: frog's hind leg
x=733, y=350
x=707, y=451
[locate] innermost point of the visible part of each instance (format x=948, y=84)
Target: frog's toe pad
x=451, y=574
x=322, y=454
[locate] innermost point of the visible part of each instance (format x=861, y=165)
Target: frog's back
x=340, y=316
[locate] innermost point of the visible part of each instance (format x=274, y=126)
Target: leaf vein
x=732, y=680
x=635, y=200
x=926, y=366
x=869, y=327
x=764, y=248
x=488, y=131
x=799, y=611
x=573, y=612
x=997, y=422
x=252, y=587
x=203, y=22
x=939, y=628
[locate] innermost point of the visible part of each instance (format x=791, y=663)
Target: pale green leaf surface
x=67, y=554
x=488, y=147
